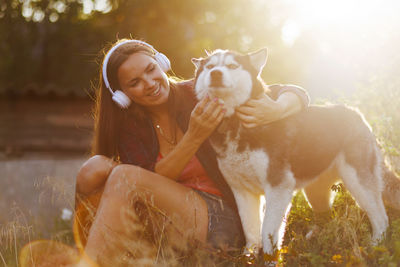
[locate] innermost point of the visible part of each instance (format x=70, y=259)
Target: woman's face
x=143, y=81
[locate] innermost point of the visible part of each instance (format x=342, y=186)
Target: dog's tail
x=391, y=190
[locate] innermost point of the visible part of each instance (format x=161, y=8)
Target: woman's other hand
x=205, y=117
x=264, y=110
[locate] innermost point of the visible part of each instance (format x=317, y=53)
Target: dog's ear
x=197, y=62
x=258, y=59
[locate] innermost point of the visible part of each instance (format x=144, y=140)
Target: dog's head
x=229, y=76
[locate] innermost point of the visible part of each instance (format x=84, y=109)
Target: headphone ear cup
x=163, y=61
x=121, y=99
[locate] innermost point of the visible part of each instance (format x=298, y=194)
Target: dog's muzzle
x=216, y=78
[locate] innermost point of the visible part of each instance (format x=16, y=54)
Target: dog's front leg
x=248, y=205
x=277, y=199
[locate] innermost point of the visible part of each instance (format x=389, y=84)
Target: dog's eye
x=232, y=66
x=210, y=66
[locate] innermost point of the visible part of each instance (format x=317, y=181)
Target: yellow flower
x=337, y=258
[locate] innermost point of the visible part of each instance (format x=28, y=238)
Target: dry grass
x=341, y=237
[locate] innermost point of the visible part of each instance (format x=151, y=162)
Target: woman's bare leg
x=89, y=188
x=186, y=209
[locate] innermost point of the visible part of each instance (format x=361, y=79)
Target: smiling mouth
x=155, y=92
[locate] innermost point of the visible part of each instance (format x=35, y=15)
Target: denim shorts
x=224, y=226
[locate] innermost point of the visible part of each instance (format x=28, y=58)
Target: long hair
x=109, y=117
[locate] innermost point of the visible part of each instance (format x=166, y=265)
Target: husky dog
x=276, y=159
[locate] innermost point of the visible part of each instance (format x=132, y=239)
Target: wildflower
x=337, y=258
x=66, y=214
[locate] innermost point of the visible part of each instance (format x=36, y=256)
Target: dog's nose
x=216, y=78
x=216, y=75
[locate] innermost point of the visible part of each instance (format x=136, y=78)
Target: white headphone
x=118, y=96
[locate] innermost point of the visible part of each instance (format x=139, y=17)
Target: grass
x=19, y=232
x=340, y=237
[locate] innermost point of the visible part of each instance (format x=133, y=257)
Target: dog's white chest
x=244, y=169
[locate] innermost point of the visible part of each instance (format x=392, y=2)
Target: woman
x=151, y=139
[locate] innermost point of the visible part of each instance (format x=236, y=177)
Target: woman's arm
x=264, y=109
x=205, y=117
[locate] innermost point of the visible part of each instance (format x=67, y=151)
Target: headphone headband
x=161, y=59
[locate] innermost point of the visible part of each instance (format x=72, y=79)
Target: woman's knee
x=93, y=172
x=124, y=177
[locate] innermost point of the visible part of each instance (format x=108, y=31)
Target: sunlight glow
x=328, y=17
x=27, y=11
x=99, y=5
x=351, y=39
x=38, y=16
x=88, y=6
x=349, y=13
x=290, y=32
x=210, y=17
x=53, y=17
x=59, y=6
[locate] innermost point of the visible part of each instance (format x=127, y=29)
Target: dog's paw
x=270, y=260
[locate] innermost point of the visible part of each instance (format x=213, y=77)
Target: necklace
x=171, y=142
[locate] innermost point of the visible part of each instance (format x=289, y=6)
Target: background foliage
x=55, y=44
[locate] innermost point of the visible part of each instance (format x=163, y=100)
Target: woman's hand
x=264, y=110
x=205, y=117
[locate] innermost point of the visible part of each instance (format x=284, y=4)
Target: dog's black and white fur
x=276, y=159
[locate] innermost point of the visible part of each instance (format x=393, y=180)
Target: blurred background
x=343, y=51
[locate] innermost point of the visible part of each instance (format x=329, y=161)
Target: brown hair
x=108, y=116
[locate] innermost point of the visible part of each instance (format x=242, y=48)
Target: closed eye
x=151, y=68
x=210, y=66
x=133, y=83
